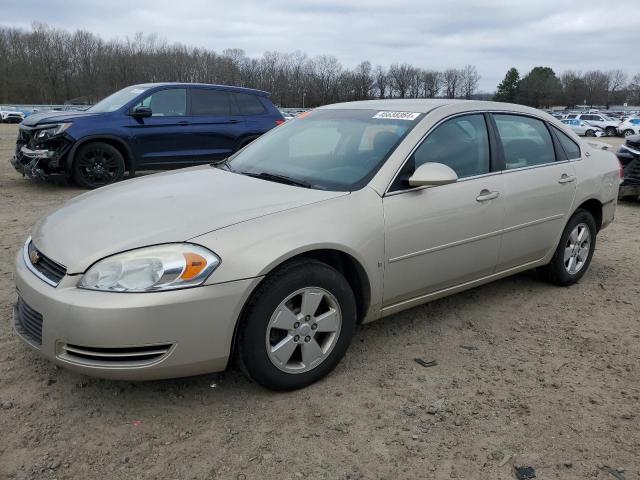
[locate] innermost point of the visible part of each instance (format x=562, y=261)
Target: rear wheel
x=573, y=254
x=628, y=132
x=611, y=131
x=297, y=326
x=97, y=164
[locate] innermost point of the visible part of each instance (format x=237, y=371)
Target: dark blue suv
x=143, y=127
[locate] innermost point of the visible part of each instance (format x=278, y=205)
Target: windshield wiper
x=279, y=178
x=223, y=164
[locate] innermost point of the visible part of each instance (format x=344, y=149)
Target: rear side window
x=570, y=147
x=167, y=103
x=210, y=102
x=525, y=140
x=249, y=104
x=461, y=143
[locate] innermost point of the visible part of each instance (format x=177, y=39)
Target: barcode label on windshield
x=397, y=115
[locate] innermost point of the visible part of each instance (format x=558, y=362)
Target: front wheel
x=611, y=131
x=573, y=254
x=97, y=164
x=628, y=132
x=590, y=133
x=297, y=326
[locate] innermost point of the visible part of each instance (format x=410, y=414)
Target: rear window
x=210, y=102
x=249, y=104
x=526, y=141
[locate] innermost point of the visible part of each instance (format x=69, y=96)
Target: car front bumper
x=129, y=336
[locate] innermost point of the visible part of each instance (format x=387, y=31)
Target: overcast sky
x=491, y=34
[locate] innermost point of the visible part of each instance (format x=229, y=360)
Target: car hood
x=162, y=208
x=43, y=118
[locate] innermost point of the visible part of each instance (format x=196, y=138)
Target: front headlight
x=52, y=130
x=150, y=269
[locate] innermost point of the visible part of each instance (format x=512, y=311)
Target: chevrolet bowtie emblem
x=34, y=256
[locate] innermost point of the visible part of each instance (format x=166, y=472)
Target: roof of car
x=206, y=85
x=425, y=105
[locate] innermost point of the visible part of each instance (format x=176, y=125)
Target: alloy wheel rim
x=303, y=330
x=98, y=167
x=576, y=250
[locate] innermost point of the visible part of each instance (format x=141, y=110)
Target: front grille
x=114, y=356
x=28, y=322
x=53, y=271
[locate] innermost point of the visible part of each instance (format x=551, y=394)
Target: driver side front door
x=443, y=236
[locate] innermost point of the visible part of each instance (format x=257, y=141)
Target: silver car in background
x=346, y=214
x=583, y=128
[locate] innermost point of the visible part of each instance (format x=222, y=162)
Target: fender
x=131, y=163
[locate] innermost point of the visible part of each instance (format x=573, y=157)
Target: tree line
x=542, y=88
x=46, y=65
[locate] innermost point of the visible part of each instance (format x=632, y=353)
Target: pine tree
x=508, y=88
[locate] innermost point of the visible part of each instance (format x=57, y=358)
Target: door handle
x=182, y=123
x=233, y=121
x=567, y=178
x=487, y=195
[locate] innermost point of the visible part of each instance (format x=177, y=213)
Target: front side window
x=210, y=102
x=167, y=103
x=327, y=149
x=461, y=143
x=526, y=141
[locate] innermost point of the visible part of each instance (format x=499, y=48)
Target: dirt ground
x=528, y=374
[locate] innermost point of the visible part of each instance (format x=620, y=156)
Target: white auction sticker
x=397, y=115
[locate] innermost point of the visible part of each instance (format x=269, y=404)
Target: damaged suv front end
x=41, y=150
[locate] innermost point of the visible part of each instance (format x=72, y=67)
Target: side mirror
x=141, y=112
x=432, y=174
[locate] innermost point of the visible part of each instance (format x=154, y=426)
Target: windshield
x=338, y=150
x=117, y=100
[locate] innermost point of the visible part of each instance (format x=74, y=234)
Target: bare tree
x=402, y=77
x=451, y=79
x=381, y=80
x=596, y=85
x=469, y=80
x=617, y=82
x=431, y=83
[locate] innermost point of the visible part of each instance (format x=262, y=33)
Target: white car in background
x=607, y=124
x=10, y=115
x=630, y=126
x=584, y=129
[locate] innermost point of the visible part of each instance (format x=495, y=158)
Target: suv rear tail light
x=280, y=121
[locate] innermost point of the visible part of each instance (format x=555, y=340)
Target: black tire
x=590, y=133
x=611, y=131
x=97, y=164
x=628, y=132
x=252, y=354
x=556, y=271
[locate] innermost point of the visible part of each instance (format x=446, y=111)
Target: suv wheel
x=590, y=133
x=628, y=132
x=97, y=164
x=611, y=131
x=297, y=326
x=573, y=254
